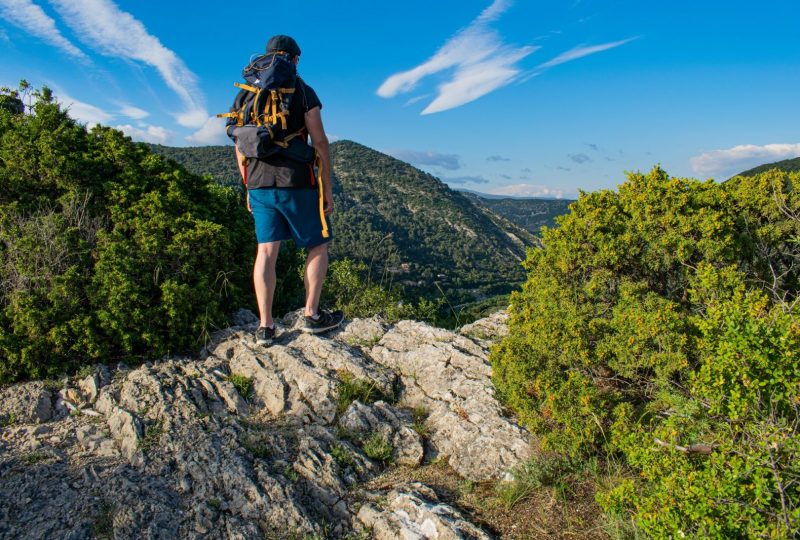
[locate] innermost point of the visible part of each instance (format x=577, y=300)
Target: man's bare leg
x=264, y=279
x=316, y=270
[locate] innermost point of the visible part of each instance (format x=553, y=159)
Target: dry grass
x=545, y=513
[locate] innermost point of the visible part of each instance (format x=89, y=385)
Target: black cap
x=283, y=43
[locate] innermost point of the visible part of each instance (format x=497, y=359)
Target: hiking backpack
x=257, y=121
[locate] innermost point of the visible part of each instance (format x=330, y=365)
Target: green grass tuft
x=378, y=447
x=352, y=389
x=243, y=384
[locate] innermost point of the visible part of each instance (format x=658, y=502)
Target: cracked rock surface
x=251, y=442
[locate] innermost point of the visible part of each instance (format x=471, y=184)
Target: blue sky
x=537, y=98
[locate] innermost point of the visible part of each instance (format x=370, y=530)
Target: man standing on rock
x=286, y=199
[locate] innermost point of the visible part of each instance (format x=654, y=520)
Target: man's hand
x=247, y=199
x=328, y=208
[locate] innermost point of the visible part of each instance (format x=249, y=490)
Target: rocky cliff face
x=249, y=442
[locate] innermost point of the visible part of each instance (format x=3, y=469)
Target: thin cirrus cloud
x=739, y=158
x=450, y=162
x=32, y=18
x=482, y=64
x=102, y=25
x=580, y=52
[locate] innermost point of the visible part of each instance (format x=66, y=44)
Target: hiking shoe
x=325, y=320
x=265, y=335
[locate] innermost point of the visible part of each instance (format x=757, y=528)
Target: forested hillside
x=218, y=161
x=404, y=224
x=532, y=214
x=787, y=165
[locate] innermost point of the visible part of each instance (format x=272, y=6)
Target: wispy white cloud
x=151, y=134
x=32, y=18
x=481, y=61
x=132, y=112
x=528, y=190
x=580, y=52
x=212, y=132
x=84, y=112
x=450, y=162
x=102, y=25
x=740, y=158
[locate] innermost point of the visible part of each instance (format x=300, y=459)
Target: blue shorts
x=286, y=213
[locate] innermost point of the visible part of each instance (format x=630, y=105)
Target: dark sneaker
x=265, y=335
x=326, y=320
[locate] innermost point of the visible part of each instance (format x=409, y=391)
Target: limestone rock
x=26, y=403
x=489, y=328
x=449, y=376
x=413, y=512
x=171, y=450
x=363, y=420
x=90, y=385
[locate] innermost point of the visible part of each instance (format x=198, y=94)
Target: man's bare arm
x=320, y=142
x=240, y=164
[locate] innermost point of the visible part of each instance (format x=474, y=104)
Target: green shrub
x=107, y=250
x=349, y=287
x=658, y=324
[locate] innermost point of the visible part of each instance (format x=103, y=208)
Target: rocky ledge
x=251, y=442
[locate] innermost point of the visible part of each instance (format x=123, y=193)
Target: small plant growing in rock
x=8, y=420
x=214, y=503
x=35, y=457
x=379, y=448
x=420, y=415
x=85, y=371
x=103, y=521
x=290, y=474
x=465, y=487
x=257, y=444
x=243, y=384
x=352, y=389
x=152, y=434
x=342, y=455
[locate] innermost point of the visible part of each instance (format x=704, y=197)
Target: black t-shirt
x=305, y=99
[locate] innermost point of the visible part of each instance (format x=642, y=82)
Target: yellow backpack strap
x=318, y=163
x=256, y=115
x=246, y=87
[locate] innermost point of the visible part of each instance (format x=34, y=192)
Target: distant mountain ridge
x=405, y=224
x=788, y=165
x=530, y=213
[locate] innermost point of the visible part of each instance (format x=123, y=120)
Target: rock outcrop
x=250, y=442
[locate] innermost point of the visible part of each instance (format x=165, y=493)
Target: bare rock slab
x=413, y=512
